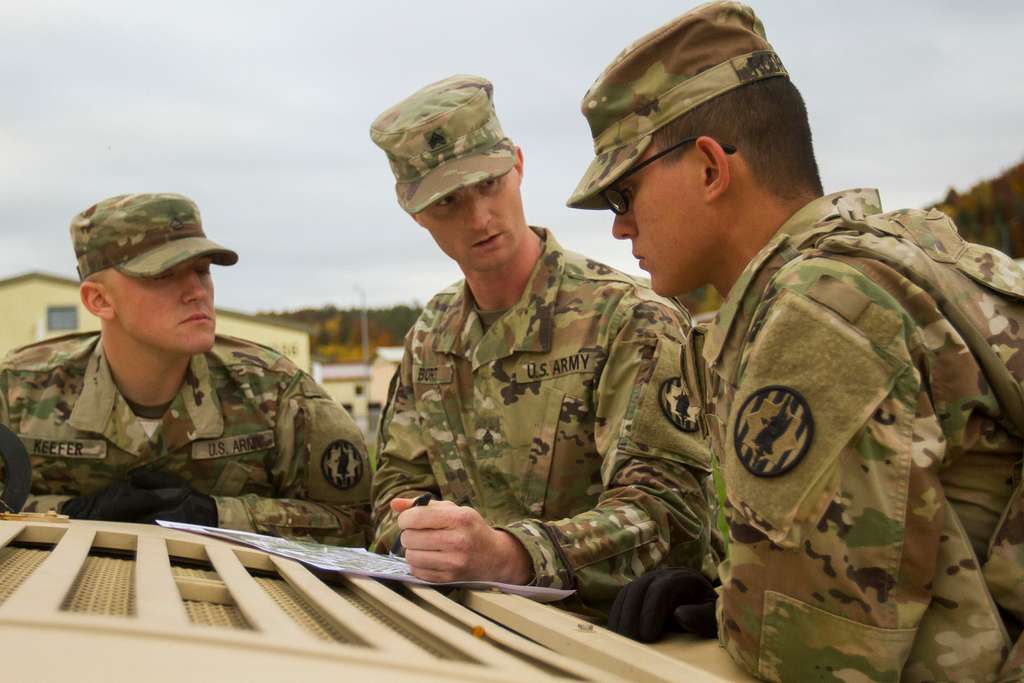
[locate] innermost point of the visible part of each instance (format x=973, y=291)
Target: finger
x=699, y=619
x=631, y=614
x=403, y=504
x=440, y=515
x=435, y=577
x=440, y=540
x=629, y=608
x=615, y=614
x=400, y=504
x=659, y=601
x=432, y=561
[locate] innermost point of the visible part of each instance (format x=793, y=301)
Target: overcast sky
x=259, y=111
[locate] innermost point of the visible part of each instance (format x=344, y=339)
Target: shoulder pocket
x=992, y=269
x=667, y=415
x=810, y=383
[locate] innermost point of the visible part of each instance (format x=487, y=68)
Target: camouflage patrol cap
x=441, y=138
x=702, y=54
x=142, y=235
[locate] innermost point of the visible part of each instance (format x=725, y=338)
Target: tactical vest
x=980, y=291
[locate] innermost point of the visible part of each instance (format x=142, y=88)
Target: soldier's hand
x=179, y=501
x=119, y=502
x=663, y=600
x=447, y=542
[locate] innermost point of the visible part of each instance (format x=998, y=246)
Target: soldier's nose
x=623, y=227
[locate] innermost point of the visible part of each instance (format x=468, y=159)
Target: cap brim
x=604, y=170
x=455, y=174
x=166, y=256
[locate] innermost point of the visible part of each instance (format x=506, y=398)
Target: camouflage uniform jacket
x=248, y=427
x=866, y=464
x=551, y=425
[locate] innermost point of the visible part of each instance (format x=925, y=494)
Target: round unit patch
x=342, y=464
x=676, y=405
x=774, y=428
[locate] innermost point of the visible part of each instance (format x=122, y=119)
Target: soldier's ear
x=519, y=165
x=717, y=174
x=96, y=298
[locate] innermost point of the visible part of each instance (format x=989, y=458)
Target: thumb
x=401, y=504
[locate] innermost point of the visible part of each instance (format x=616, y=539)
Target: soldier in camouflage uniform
x=862, y=387
x=540, y=396
x=156, y=418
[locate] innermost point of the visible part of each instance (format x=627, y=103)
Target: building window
x=359, y=390
x=60, y=318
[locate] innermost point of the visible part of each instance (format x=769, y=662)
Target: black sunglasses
x=618, y=200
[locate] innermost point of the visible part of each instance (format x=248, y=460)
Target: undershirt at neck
x=149, y=417
x=488, y=318
x=148, y=412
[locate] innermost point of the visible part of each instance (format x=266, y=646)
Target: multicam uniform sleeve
x=652, y=508
x=321, y=473
x=403, y=464
x=841, y=535
x=35, y=502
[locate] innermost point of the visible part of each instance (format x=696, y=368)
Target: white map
x=356, y=561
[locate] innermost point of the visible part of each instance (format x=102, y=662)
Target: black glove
x=179, y=502
x=663, y=600
x=119, y=502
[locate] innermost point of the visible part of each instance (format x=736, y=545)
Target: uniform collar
x=813, y=218
x=101, y=409
x=527, y=326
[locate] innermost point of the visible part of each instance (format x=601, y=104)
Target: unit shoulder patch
x=675, y=404
x=342, y=464
x=773, y=431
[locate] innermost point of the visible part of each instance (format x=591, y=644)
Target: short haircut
x=767, y=122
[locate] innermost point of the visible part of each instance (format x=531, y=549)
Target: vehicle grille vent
x=103, y=586
x=299, y=609
x=16, y=564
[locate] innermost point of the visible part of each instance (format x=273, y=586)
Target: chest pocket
x=540, y=431
x=68, y=465
x=232, y=465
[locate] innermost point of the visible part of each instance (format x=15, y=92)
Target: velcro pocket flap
x=993, y=269
x=810, y=383
x=667, y=414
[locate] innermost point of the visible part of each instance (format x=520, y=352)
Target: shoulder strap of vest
x=923, y=273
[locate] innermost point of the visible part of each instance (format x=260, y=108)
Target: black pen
x=424, y=499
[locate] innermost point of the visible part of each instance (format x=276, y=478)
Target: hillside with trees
x=335, y=333
x=991, y=212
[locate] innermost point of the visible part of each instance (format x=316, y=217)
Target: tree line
x=336, y=333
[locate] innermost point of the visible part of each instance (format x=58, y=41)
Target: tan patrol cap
x=706, y=52
x=142, y=235
x=441, y=138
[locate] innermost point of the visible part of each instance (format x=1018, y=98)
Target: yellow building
x=36, y=306
x=361, y=388
x=348, y=384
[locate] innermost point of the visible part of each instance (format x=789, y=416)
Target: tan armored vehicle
x=91, y=601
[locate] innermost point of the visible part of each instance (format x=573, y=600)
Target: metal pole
x=363, y=414
x=365, y=329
